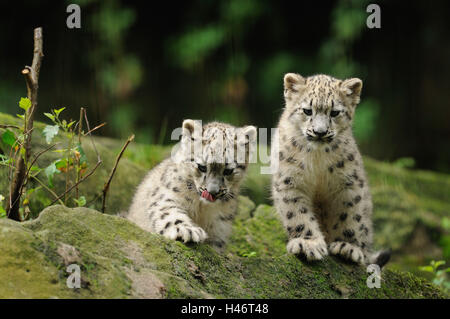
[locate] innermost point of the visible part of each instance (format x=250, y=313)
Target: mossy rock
x=119, y=260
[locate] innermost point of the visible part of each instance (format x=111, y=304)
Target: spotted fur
x=169, y=202
x=320, y=188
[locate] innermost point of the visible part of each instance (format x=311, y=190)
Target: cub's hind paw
x=347, y=250
x=313, y=249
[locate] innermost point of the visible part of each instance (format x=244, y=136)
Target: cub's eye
x=201, y=168
x=307, y=112
x=334, y=113
x=227, y=171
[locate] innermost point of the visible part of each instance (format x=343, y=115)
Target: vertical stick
x=111, y=175
x=31, y=74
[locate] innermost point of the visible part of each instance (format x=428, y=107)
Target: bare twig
x=47, y=189
x=111, y=175
x=95, y=128
x=8, y=126
x=80, y=128
x=31, y=75
x=99, y=161
x=34, y=161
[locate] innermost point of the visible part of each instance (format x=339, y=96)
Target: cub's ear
x=188, y=127
x=293, y=84
x=352, y=89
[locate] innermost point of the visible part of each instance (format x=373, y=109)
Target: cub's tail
x=381, y=257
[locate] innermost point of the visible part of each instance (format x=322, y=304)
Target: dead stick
x=96, y=128
x=106, y=187
x=80, y=128
x=8, y=126
x=31, y=75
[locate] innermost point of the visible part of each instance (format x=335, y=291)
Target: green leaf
x=50, y=131
x=32, y=190
x=34, y=168
x=9, y=138
x=20, y=116
x=83, y=158
x=427, y=268
x=25, y=103
x=59, y=111
x=50, y=116
x=80, y=201
x=50, y=171
x=439, y=263
x=70, y=124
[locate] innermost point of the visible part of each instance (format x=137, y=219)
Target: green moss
x=116, y=257
x=262, y=235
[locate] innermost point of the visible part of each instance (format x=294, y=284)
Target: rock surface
x=119, y=260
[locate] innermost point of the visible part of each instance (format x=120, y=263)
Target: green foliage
x=81, y=202
x=405, y=162
x=440, y=276
x=9, y=138
x=2, y=209
x=50, y=171
x=71, y=156
x=366, y=119
x=25, y=103
x=194, y=46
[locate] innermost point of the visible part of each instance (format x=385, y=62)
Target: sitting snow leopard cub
x=320, y=188
x=193, y=195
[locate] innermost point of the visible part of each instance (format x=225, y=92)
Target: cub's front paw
x=187, y=233
x=313, y=249
x=347, y=250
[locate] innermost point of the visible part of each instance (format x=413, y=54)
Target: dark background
x=143, y=67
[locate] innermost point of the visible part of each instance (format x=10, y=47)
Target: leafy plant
x=2, y=210
x=440, y=277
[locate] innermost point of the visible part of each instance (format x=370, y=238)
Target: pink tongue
x=208, y=196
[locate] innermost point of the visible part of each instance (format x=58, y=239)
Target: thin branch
x=8, y=126
x=47, y=189
x=38, y=155
x=80, y=127
x=111, y=175
x=99, y=161
x=31, y=75
x=95, y=128
x=34, y=161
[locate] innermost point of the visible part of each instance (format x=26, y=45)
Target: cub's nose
x=320, y=133
x=214, y=192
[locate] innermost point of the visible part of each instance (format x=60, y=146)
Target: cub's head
x=321, y=107
x=216, y=157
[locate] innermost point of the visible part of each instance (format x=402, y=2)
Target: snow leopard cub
x=193, y=195
x=320, y=188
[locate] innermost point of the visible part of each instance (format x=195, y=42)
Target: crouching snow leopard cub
x=192, y=196
x=320, y=187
